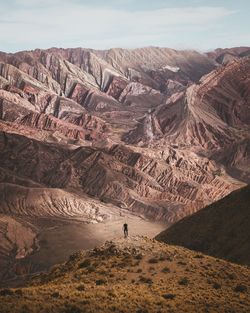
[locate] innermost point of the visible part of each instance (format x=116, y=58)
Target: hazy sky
x=197, y=24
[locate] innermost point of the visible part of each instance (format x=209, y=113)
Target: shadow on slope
x=222, y=229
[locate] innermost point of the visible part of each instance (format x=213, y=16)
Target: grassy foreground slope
x=222, y=229
x=135, y=275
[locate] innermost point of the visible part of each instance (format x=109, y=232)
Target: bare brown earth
x=17, y=240
x=221, y=229
x=154, y=132
x=136, y=274
x=49, y=241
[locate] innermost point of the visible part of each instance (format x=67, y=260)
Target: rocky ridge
x=154, y=277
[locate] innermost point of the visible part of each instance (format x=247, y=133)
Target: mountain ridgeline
x=94, y=137
x=221, y=229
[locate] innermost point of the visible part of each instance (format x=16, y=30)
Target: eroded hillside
x=135, y=275
x=94, y=136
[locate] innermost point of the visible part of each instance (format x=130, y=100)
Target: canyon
x=93, y=138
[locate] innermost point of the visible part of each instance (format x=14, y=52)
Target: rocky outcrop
x=50, y=113
x=223, y=56
x=116, y=87
x=210, y=115
x=89, y=128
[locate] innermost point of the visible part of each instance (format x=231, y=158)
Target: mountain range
x=91, y=138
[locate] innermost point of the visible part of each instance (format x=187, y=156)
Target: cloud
x=38, y=3
x=60, y=23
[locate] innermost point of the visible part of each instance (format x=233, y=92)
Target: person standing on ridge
x=125, y=230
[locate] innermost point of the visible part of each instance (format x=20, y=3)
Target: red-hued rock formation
x=209, y=115
x=143, y=97
x=153, y=132
x=164, y=185
x=223, y=56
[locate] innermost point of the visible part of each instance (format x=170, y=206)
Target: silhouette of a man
x=125, y=230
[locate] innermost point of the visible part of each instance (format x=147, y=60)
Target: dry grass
x=210, y=285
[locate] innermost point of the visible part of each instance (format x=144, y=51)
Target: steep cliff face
x=60, y=70
x=44, y=110
x=212, y=117
x=96, y=79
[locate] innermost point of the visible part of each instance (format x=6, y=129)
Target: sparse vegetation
x=218, y=172
x=71, y=308
x=216, y=285
x=169, y=296
x=80, y=288
x=139, y=256
x=19, y=292
x=153, y=260
x=146, y=280
x=6, y=292
x=165, y=270
x=181, y=263
x=91, y=269
x=183, y=281
x=240, y=288
x=55, y=294
x=162, y=258
x=231, y=276
x=153, y=287
x=199, y=256
x=142, y=311
x=100, y=282
x=85, y=263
